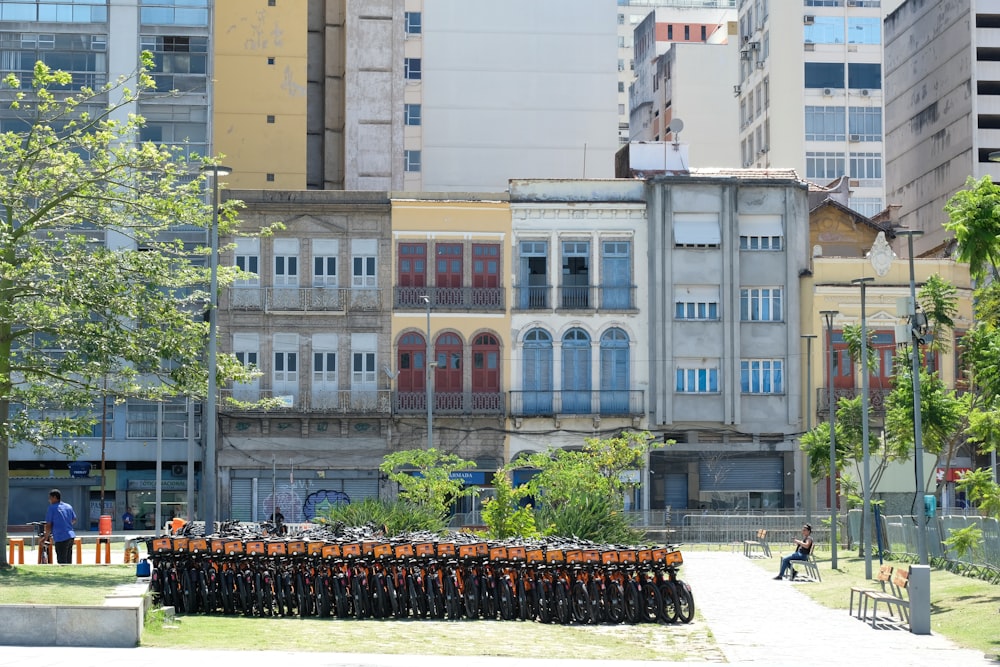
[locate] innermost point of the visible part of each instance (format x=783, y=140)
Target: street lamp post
x=808, y=490
x=918, y=438
x=430, y=377
x=828, y=316
x=216, y=171
x=866, y=479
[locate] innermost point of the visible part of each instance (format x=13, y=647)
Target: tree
x=425, y=478
x=91, y=284
x=504, y=514
x=974, y=219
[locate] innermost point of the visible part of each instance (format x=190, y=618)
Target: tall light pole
x=828, y=316
x=809, y=357
x=211, y=406
x=430, y=377
x=918, y=431
x=866, y=479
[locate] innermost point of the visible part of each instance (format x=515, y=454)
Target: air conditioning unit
x=178, y=470
x=828, y=91
x=754, y=46
x=808, y=19
x=865, y=92
x=855, y=137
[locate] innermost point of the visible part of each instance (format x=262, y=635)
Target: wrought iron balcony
x=585, y=297
x=876, y=397
x=332, y=401
x=450, y=298
x=305, y=299
x=463, y=403
x=613, y=403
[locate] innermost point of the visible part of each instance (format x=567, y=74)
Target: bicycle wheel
x=324, y=596
x=488, y=603
x=633, y=600
x=243, y=593
x=418, y=599
x=596, y=601
x=685, y=602
x=396, y=604
x=564, y=613
x=543, y=591
x=580, y=603
x=652, y=602
x=508, y=610
x=470, y=596
x=267, y=588
x=525, y=605
x=189, y=588
x=360, y=598
x=303, y=595
x=258, y=587
x=614, y=605
x=669, y=594
x=226, y=586
x=452, y=599
x=435, y=598
x=287, y=593
x=211, y=579
x=341, y=597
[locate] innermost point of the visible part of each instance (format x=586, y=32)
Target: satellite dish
x=675, y=127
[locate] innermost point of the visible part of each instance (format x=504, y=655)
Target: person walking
x=128, y=519
x=59, y=520
x=802, y=549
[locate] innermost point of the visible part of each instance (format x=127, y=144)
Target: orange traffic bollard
x=106, y=541
x=17, y=542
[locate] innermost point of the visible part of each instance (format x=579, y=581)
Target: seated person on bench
x=803, y=547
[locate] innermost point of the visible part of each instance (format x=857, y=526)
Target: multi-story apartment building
x=311, y=311
x=726, y=249
x=942, y=108
x=451, y=286
x=683, y=25
x=578, y=323
x=97, y=42
x=815, y=72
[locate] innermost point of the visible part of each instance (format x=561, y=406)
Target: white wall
x=518, y=89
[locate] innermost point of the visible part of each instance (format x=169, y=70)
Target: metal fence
x=901, y=534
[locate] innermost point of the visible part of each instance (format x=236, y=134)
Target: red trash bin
x=104, y=525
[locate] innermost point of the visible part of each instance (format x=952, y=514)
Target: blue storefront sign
x=472, y=477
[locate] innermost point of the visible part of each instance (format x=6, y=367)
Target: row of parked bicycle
x=451, y=577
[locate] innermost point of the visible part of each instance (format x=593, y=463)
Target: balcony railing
x=457, y=298
x=626, y=402
x=580, y=297
x=876, y=397
x=332, y=401
x=305, y=299
x=464, y=403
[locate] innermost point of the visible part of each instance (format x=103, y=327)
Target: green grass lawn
x=965, y=610
x=70, y=585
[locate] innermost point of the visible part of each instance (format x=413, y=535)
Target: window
x=286, y=360
x=687, y=33
x=621, y=65
x=825, y=123
x=449, y=271
x=83, y=56
x=413, y=23
x=824, y=30
x=411, y=113
x=670, y=31
x=286, y=262
x=537, y=375
x=616, y=274
x=695, y=378
x=325, y=253
x=614, y=372
x=761, y=376
x=864, y=30
x=412, y=267
x=760, y=232
x=411, y=69
x=575, y=274
x=448, y=373
x=824, y=166
x=824, y=75
x=485, y=368
x=411, y=376
x=174, y=12
x=245, y=349
x=486, y=266
x=760, y=304
x=363, y=370
x=696, y=302
x=621, y=19
x=576, y=365
x=533, y=277
x=179, y=62
x=868, y=206
x=621, y=86
x=866, y=166
x=865, y=123
x=412, y=160
x=363, y=262
x=864, y=75
x=704, y=33
x=247, y=259
x=324, y=363
x=697, y=230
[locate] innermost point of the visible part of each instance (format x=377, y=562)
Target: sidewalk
x=754, y=619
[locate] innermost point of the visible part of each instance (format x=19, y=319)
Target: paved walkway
x=754, y=619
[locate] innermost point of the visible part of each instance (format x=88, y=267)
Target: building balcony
x=876, y=398
x=623, y=403
x=450, y=298
x=585, y=297
x=317, y=401
x=462, y=403
x=305, y=299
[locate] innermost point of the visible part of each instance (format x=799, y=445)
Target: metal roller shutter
x=241, y=499
x=744, y=473
x=359, y=489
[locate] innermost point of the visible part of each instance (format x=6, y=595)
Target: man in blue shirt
x=59, y=520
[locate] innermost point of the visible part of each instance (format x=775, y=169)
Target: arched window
x=410, y=364
x=485, y=373
x=614, y=372
x=576, y=372
x=537, y=379
x=448, y=373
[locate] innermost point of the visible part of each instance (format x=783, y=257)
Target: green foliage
x=503, y=514
x=852, y=337
x=96, y=298
x=963, y=542
x=590, y=517
x=939, y=301
x=393, y=516
x=974, y=219
x=981, y=490
x=424, y=478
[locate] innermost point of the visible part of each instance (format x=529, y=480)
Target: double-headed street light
x=828, y=316
x=866, y=479
x=215, y=171
x=808, y=490
x=428, y=380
